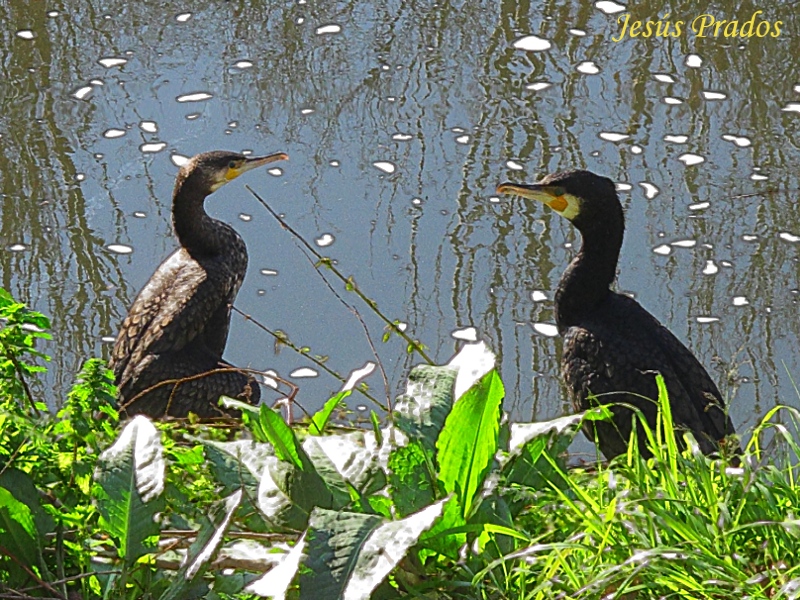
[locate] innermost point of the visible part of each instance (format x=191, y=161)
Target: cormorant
x=178, y=324
x=612, y=346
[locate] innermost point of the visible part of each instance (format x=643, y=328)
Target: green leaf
x=129, y=480
x=18, y=539
x=321, y=417
x=468, y=442
x=412, y=480
x=275, y=584
x=421, y=412
x=281, y=436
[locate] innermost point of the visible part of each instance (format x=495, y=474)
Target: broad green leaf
x=286, y=494
x=280, y=435
x=468, y=441
x=347, y=460
x=275, y=584
x=421, y=412
x=321, y=417
x=18, y=539
x=349, y=554
x=412, y=479
x=129, y=479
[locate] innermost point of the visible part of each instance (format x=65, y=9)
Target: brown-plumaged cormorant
x=178, y=324
x=612, y=346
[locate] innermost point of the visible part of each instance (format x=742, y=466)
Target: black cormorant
x=612, y=346
x=178, y=324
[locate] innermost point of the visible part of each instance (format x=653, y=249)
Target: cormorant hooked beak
x=250, y=163
x=553, y=196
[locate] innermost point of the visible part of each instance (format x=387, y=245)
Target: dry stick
x=348, y=281
x=22, y=380
x=284, y=340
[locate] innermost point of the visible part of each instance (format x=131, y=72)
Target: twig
x=42, y=583
x=21, y=376
x=349, y=282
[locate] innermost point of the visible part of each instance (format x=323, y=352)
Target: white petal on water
x=385, y=166
x=148, y=126
x=179, y=159
x=139, y=214
x=588, y=67
x=789, y=237
x=268, y=272
x=533, y=43
x=714, y=95
x=707, y=319
x=357, y=375
x=663, y=249
x=306, y=111
x=245, y=217
x=112, y=61
x=270, y=379
x=684, y=243
x=663, y=78
x=699, y=205
x=623, y=187
x=113, y=133
x=402, y=137
x=107, y=339
x=183, y=17
x=758, y=177
x=577, y=32
x=694, y=61
x=194, y=97
x=330, y=28
x=711, y=268
x=275, y=171
x=119, y=248
x=243, y=64
x=468, y=334
x=740, y=301
x=741, y=141
x=672, y=101
x=462, y=139
x=747, y=237
x=538, y=296
x=514, y=165
x=17, y=247
x=25, y=34
x=538, y=86
x=326, y=239
x=636, y=149
x=610, y=136
x=153, y=147
x=650, y=191
x=303, y=372
x=545, y=329
x=791, y=107
x=82, y=92
x=676, y=139
x=690, y=159
x=608, y=7
x=402, y=326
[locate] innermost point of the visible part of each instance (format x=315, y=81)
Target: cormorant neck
x=196, y=231
x=587, y=280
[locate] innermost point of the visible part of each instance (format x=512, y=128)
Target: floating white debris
x=326, y=29
x=538, y=86
x=636, y=149
x=183, y=17
x=402, y=137
x=663, y=250
x=194, y=97
x=17, y=247
x=306, y=111
x=588, y=67
x=462, y=139
x=650, y=191
x=334, y=163
x=53, y=14
x=108, y=339
x=726, y=263
x=303, y=372
x=80, y=177
x=797, y=89
x=83, y=92
x=192, y=116
x=545, y=329
x=148, y=126
x=610, y=136
x=676, y=139
x=623, y=187
x=275, y=171
x=538, y=296
x=139, y=214
x=577, y=32
x=119, y=248
x=684, y=243
x=515, y=166
x=608, y=7
x=791, y=107
x=416, y=201
x=402, y=326
x=749, y=237
x=243, y=64
x=711, y=268
x=113, y=133
x=385, y=166
x=707, y=319
x=179, y=159
x=494, y=199
x=112, y=61
x=25, y=34
x=245, y=217
x=714, y=95
x=694, y=61
x=758, y=177
x=357, y=375
x=699, y=205
x=458, y=130
x=269, y=272
x=789, y=237
x=740, y=141
x=690, y=159
x=672, y=101
x=740, y=301
x=533, y=43
x=468, y=334
x=270, y=379
x=326, y=239
x=663, y=78
x=153, y=147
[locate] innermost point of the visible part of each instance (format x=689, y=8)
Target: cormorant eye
x=232, y=164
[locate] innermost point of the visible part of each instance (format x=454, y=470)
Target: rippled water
x=400, y=119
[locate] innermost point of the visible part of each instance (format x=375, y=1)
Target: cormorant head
x=580, y=196
x=209, y=171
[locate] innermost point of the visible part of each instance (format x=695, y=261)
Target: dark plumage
x=612, y=346
x=178, y=324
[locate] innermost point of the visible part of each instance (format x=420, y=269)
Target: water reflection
x=401, y=118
